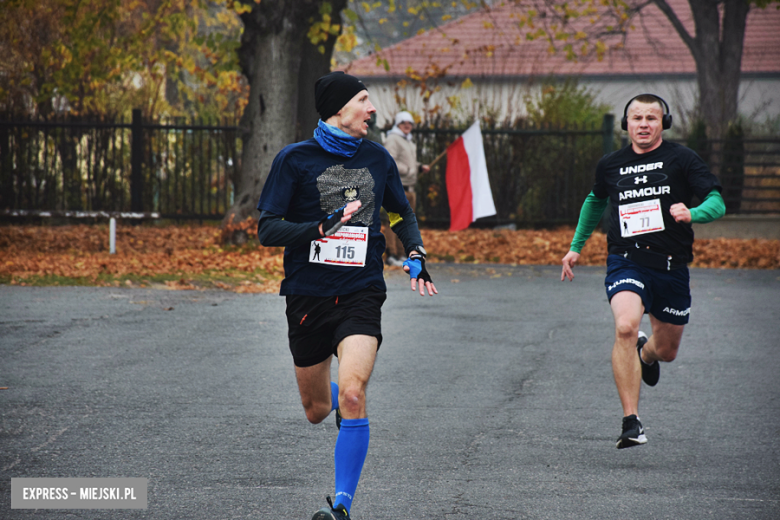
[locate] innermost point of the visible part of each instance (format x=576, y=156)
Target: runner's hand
x=568, y=264
x=680, y=212
x=415, y=266
x=333, y=222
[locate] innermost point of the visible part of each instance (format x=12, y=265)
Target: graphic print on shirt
x=642, y=184
x=641, y=180
x=339, y=186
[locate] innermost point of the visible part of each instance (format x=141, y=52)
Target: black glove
x=332, y=223
x=416, y=264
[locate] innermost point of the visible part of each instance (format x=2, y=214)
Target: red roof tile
x=491, y=44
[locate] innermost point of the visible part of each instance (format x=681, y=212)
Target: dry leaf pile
x=177, y=257
x=192, y=257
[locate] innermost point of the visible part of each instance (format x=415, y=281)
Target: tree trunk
x=281, y=66
x=717, y=50
x=314, y=64
x=270, y=56
x=732, y=44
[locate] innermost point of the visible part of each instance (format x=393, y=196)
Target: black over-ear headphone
x=666, y=120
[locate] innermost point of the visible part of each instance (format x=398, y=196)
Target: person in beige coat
x=401, y=147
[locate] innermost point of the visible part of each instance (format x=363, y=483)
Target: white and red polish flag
x=468, y=186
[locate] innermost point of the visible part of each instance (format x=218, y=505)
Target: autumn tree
x=105, y=57
x=716, y=45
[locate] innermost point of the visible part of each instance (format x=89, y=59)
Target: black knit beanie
x=333, y=91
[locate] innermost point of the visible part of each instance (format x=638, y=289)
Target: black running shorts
x=665, y=294
x=316, y=325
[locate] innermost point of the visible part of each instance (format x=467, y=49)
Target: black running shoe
x=332, y=512
x=338, y=419
x=633, y=433
x=650, y=373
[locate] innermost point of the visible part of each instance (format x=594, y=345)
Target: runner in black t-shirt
x=651, y=184
x=321, y=201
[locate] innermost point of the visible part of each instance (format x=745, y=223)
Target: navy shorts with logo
x=665, y=294
x=316, y=325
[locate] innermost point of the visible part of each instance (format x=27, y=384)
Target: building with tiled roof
x=492, y=52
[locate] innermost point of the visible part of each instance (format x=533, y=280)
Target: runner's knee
x=315, y=416
x=316, y=411
x=668, y=352
x=626, y=328
x=351, y=399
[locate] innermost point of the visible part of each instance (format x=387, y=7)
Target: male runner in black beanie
x=334, y=286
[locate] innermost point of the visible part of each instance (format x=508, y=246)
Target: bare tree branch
x=676, y=23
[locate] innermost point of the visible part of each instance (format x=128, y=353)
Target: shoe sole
x=631, y=442
x=323, y=514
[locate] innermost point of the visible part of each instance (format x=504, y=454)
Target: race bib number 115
x=640, y=218
x=346, y=247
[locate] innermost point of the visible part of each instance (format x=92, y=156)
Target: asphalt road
x=493, y=400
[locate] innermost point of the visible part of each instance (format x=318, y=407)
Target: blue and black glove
x=332, y=223
x=416, y=264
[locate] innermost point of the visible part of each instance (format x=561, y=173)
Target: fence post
x=136, y=162
x=7, y=193
x=608, y=129
x=608, y=144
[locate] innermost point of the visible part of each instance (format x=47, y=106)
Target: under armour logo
x=642, y=179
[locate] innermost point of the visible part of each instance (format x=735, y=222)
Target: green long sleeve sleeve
x=590, y=214
x=712, y=207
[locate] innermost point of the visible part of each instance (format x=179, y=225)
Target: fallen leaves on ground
x=192, y=257
x=174, y=257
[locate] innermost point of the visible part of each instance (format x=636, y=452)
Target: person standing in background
x=401, y=147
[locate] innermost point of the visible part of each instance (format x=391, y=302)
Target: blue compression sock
x=334, y=396
x=349, y=455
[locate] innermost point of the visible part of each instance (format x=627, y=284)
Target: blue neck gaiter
x=335, y=140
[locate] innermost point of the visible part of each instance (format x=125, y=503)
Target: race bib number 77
x=346, y=247
x=640, y=218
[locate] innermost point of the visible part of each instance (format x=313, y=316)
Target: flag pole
x=438, y=158
x=442, y=154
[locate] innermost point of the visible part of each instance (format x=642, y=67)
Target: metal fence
x=176, y=169
x=538, y=175
x=186, y=169
x=749, y=171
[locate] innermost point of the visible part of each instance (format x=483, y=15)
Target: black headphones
x=666, y=120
